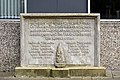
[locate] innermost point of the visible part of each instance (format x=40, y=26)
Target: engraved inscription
x=75, y=35
x=41, y=50
x=61, y=30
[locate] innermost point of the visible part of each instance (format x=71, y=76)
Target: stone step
x=60, y=72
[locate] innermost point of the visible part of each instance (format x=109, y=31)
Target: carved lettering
x=75, y=35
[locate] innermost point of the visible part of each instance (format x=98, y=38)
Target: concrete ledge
x=60, y=72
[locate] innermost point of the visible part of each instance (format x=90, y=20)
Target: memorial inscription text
x=75, y=35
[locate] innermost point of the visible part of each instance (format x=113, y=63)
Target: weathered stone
x=58, y=39
x=88, y=71
x=33, y=72
x=60, y=72
x=78, y=35
x=60, y=57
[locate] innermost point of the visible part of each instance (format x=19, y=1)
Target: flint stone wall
x=10, y=45
x=110, y=44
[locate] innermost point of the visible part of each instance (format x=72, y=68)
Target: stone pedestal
x=60, y=72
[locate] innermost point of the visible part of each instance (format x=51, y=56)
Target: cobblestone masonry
x=10, y=45
x=110, y=45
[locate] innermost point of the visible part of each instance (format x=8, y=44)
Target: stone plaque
x=72, y=39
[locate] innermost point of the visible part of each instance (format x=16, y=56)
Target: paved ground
x=111, y=75
x=84, y=78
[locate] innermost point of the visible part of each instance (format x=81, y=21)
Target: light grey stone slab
x=77, y=33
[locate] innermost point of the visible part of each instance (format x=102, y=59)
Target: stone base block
x=60, y=72
x=32, y=72
x=88, y=71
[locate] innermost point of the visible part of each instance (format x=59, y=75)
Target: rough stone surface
x=9, y=45
x=9, y=76
x=110, y=44
x=60, y=72
x=32, y=72
x=88, y=71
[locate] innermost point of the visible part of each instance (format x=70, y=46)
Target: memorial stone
x=57, y=43
x=48, y=39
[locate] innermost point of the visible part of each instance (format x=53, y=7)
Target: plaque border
x=96, y=16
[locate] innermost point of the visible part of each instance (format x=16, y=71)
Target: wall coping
x=109, y=19
x=19, y=20
x=9, y=19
